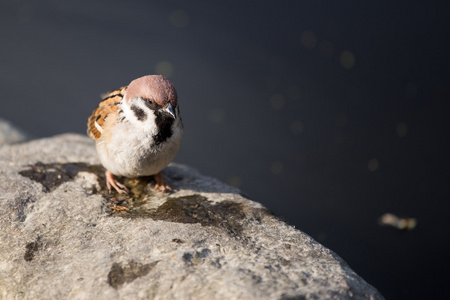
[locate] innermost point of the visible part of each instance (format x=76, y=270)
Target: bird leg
x=160, y=184
x=111, y=181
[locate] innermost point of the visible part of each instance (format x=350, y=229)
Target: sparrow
x=137, y=130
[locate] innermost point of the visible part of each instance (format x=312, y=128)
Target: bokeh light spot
x=277, y=101
x=276, y=167
x=164, y=68
x=235, y=181
x=326, y=48
x=339, y=138
x=373, y=165
x=297, y=127
x=308, y=39
x=179, y=18
x=217, y=115
x=397, y=222
x=401, y=129
x=347, y=59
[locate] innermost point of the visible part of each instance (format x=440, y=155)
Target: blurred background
x=330, y=113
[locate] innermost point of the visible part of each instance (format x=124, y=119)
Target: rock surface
x=62, y=236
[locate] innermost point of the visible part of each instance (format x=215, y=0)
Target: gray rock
x=62, y=236
x=9, y=134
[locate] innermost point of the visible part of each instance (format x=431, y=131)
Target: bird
x=137, y=131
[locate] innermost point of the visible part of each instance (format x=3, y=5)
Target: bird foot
x=160, y=184
x=112, y=182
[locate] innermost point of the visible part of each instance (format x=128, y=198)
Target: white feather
x=98, y=127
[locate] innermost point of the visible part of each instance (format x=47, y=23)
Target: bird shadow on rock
x=179, y=177
x=143, y=202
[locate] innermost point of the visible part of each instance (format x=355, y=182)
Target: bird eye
x=148, y=100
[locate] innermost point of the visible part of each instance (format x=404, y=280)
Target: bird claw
x=160, y=184
x=163, y=188
x=112, y=182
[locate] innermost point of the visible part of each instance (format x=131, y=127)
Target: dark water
x=330, y=113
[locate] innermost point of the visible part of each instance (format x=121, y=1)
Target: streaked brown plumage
x=108, y=106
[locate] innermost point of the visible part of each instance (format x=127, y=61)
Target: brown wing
x=107, y=107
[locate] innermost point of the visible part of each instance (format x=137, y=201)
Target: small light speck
x=276, y=167
x=308, y=39
x=339, y=138
x=277, y=101
x=373, y=165
x=347, y=59
x=217, y=115
x=235, y=181
x=396, y=222
x=179, y=18
x=401, y=129
x=297, y=127
x=164, y=68
x=326, y=49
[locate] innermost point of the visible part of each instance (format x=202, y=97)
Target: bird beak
x=170, y=110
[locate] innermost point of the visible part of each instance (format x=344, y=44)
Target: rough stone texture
x=62, y=236
x=9, y=134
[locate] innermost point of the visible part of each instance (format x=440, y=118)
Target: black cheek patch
x=139, y=113
x=164, y=123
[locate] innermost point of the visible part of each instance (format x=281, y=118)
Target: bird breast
x=132, y=151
